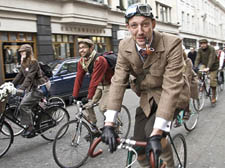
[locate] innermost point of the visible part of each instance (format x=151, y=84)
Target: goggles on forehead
x=139, y=9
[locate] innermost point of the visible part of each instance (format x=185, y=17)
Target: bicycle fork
x=175, y=150
x=77, y=133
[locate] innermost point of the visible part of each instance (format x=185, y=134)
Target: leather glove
x=109, y=137
x=154, y=145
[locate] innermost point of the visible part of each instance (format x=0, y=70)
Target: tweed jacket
x=163, y=81
x=208, y=58
x=29, y=78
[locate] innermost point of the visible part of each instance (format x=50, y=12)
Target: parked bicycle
x=178, y=145
x=46, y=120
x=191, y=122
x=71, y=151
x=204, y=90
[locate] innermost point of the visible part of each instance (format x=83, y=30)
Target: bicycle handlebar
x=125, y=144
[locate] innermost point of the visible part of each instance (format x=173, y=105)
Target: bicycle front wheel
x=55, y=118
x=179, y=151
x=191, y=123
x=71, y=151
x=123, y=122
x=13, y=113
x=5, y=139
x=199, y=103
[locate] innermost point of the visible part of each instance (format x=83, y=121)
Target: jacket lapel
x=135, y=58
x=158, y=46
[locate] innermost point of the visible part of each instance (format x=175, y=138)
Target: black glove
x=84, y=100
x=154, y=145
x=109, y=137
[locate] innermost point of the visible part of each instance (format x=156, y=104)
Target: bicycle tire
x=123, y=123
x=68, y=154
x=191, y=123
x=179, y=150
x=58, y=114
x=5, y=140
x=200, y=102
x=57, y=101
x=14, y=114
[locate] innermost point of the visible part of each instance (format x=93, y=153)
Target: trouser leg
x=91, y=113
x=142, y=130
x=28, y=101
x=104, y=99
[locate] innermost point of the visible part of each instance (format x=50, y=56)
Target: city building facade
x=53, y=27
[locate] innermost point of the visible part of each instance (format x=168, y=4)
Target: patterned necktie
x=143, y=54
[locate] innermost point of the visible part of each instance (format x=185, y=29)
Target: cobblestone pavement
x=205, y=144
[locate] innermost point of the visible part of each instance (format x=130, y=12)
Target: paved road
x=205, y=144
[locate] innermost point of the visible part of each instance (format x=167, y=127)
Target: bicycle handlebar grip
x=92, y=148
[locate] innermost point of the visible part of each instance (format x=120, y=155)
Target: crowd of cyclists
x=154, y=65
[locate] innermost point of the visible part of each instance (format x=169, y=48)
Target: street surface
x=206, y=145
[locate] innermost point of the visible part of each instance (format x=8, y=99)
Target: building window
x=11, y=43
x=130, y=2
x=188, y=43
x=63, y=46
x=99, y=1
x=163, y=12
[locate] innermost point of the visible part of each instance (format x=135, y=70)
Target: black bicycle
x=71, y=151
x=47, y=118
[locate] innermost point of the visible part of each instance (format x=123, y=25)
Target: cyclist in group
x=207, y=60
x=220, y=56
x=101, y=75
x=155, y=60
x=33, y=83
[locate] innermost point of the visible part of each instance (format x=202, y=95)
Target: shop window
x=29, y=37
x=11, y=58
x=12, y=37
x=4, y=36
x=63, y=46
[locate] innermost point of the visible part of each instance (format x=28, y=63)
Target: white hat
x=217, y=47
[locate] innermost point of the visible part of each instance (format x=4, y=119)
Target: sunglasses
x=141, y=9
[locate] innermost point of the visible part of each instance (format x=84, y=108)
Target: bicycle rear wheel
x=179, y=151
x=71, y=151
x=123, y=122
x=57, y=101
x=191, y=123
x=56, y=114
x=5, y=139
x=13, y=113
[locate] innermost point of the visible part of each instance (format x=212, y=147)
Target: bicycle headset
x=138, y=10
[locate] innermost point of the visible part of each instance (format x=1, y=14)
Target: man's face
x=84, y=50
x=203, y=45
x=141, y=28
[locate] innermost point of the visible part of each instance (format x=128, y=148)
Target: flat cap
x=87, y=41
x=25, y=47
x=203, y=41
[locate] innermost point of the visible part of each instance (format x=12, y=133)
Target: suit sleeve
x=212, y=57
x=172, y=82
x=119, y=81
x=78, y=81
x=99, y=70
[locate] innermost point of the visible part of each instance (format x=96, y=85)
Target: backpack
x=46, y=69
x=111, y=59
x=109, y=56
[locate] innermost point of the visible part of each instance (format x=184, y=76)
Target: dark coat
x=29, y=77
x=208, y=58
x=192, y=56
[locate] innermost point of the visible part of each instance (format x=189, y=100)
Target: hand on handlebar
x=109, y=137
x=154, y=146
